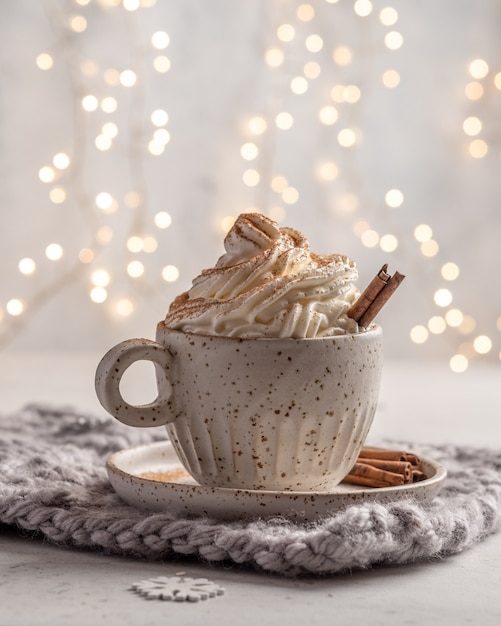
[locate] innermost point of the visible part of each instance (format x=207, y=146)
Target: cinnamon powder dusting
x=167, y=476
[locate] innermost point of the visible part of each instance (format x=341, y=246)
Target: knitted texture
x=53, y=482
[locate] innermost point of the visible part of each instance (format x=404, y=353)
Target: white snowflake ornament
x=177, y=589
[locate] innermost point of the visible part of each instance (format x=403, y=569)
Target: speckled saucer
x=151, y=477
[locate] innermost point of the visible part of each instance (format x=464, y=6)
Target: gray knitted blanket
x=53, y=482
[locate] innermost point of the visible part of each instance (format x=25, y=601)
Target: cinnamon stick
x=388, y=455
x=363, y=474
x=375, y=296
x=380, y=467
x=397, y=467
x=381, y=299
x=369, y=294
x=418, y=475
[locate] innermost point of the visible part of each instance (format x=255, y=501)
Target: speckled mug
x=260, y=413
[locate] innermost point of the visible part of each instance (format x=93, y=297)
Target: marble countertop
x=421, y=402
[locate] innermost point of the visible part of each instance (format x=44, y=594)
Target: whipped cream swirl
x=268, y=284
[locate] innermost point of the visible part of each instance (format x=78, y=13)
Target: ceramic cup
x=260, y=413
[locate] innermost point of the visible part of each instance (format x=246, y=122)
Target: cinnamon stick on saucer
x=370, y=476
x=403, y=468
x=379, y=467
x=375, y=296
x=388, y=455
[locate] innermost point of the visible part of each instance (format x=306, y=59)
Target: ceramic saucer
x=151, y=477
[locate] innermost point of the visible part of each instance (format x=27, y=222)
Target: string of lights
x=315, y=79
x=447, y=317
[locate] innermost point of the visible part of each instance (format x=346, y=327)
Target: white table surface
x=420, y=402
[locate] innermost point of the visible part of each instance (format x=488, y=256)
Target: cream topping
x=268, y=284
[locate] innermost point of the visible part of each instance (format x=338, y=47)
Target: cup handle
x=110, y=371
